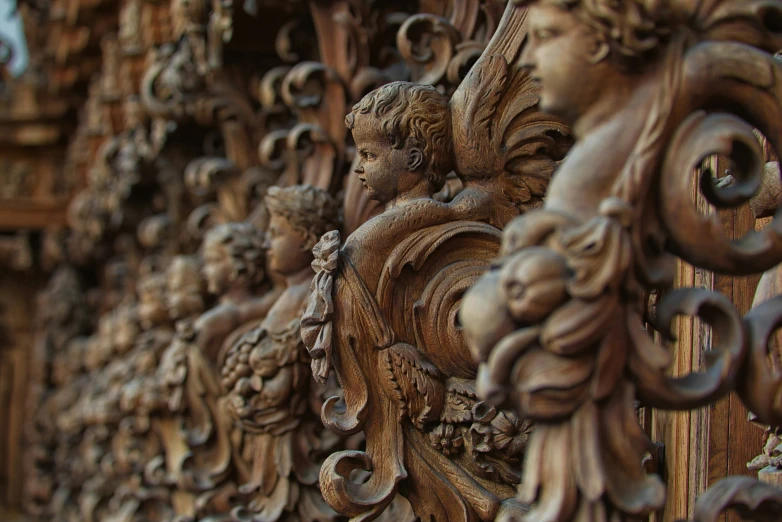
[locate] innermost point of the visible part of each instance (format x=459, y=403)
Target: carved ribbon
x=316, y=325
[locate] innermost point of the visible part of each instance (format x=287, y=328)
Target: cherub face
x=151, y=295
x=183, y=292
x=383, y=170
x=286, y=253
x=565, y=57
x=218, y=269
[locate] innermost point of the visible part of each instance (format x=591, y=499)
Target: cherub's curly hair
x=635, y=30
x=409, y=111
x=310, y=210
x=244, y=244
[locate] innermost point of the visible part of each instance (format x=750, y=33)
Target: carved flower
x=772, y=453
x=500, y=431
x=511, y=433
x=446, y=439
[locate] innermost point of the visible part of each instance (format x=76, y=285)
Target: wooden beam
x=32, y=215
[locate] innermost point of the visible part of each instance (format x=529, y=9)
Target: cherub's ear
x=415, y=159
x=599, y=52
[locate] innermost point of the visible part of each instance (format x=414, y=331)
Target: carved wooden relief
x=336, y=260
x=559, y=323
x=212, y=162
x=382, y=314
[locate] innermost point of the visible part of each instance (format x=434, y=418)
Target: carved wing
x=412, y=414
x=427, y=274
x=498, y=132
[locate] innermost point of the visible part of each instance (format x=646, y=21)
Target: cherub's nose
x=359, y=169
x=526, y=60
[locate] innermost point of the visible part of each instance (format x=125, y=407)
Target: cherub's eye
x=370, y=156
x=544, y=34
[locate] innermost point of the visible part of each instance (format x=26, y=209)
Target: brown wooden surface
x=16, y=215
x=706, y=445
x=16, y=314
x=702, y=446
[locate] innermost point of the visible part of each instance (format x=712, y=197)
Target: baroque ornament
x=382, y=313
x=651, y=89
x=269, y=389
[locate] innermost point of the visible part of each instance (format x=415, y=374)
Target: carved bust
x=234, y=270
x=152, y=305
x=613, y=50
x=266, y=374
x=184, y=288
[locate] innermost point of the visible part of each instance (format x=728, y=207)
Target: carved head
x=595, y=42
x=403, y=134
x=299, y=216
x=151, y=291
x=184, y=288
x=233, y=257
x=117, y=332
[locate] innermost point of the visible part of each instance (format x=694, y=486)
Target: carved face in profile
x=218, y=269
x=287, y=252
x=183, y=288
x=100, y=345
x=233, y=257
x=151, y=294
x=384, y=171
x=568, y=60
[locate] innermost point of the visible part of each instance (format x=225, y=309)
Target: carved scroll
x=559, y=324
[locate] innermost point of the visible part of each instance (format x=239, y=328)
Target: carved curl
x=413, y=112
x=310, y=210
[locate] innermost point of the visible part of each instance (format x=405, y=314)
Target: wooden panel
x=17, y=294
x=17, y=371
x=699, y=419
x=746, y=440
x=674, y=427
